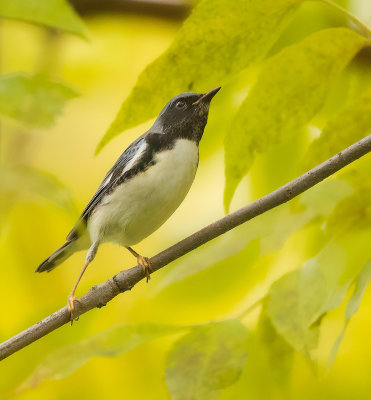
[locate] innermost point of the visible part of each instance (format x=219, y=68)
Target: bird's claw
x=71, y=307
x=146, y=265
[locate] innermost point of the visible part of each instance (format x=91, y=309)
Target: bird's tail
x=58, y=256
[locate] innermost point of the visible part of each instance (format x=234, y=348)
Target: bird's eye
x=180, y=104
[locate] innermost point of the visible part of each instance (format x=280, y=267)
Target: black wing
x=133, y=154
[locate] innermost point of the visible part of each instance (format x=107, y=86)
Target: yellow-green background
x=104, y=69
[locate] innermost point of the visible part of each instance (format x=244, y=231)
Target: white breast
x=142, y=204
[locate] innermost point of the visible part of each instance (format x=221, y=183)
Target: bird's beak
x=207, y=96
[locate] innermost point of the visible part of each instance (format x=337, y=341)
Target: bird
x=144, y=187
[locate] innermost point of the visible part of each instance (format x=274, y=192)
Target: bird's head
x=185, y=115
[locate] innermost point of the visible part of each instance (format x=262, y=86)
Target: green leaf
x=278, y=353
x=354, y=302
x=207, y=360
x=353, y=212
x=29, y=184
x=298, y=301
x=34, y=100
x=291, y=308
x=348, y=126
x=350, y=214
x=248, y=253
x=108, y=343
x=290, y=90
x=54, y=13
x=267, y=369
x=322, y=199
x=220, y=38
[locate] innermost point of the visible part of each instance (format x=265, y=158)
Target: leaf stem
x=363, y=28
x=251, y=307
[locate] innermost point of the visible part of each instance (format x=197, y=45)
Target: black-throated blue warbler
x=145, y=186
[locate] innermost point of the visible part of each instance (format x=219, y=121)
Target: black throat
x=164, y=134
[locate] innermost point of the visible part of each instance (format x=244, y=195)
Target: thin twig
x=100, y=295
x=252, y=307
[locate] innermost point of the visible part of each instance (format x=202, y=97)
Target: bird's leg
x=71, y=298
x=143, y=261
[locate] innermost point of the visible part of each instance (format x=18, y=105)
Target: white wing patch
x=107, y=180
x=137, y=156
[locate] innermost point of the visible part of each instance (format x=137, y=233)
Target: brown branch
x=100, y=295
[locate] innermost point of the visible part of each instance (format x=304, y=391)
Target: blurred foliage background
x=269, y=310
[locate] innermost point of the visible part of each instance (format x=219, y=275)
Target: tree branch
x=100, y=295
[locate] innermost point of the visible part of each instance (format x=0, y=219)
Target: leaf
x=354, y=302
x=206, y=360
x=237, y=265
x=229, y=251
x=347, y=127
x=291, y=308
x=108, y=343
x=267, y=368
x=322, y=199
x=290, y=90
x=279, y=354
x=353, y=212
x=29, y=184
x=54, y=13
x=298, y=301
x=219, y=39
x=350, y=214
x=34, y=100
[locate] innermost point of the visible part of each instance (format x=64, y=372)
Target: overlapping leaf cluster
x=291, y=92
x=34, y=101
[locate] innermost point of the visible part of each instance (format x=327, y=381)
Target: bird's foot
x=146, y=265
x=71, y=306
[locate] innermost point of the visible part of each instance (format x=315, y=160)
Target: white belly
x=142, y=204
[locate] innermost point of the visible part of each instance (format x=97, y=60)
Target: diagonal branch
x=100, y=295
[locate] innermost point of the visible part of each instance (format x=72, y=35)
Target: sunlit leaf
x=108, y=343
x=268, y=365
x=292, y=309
x=27, y=184
x=233, y=251
x=346, y=128
x=359, y=174
x=298, y=301
x=350, y=214
x=34, y=100
x=206, y=360
x=321, y=284
x=277, y=166
x=354, y=211
x=354, y=302
x=54, y=13
x=220, y=38
x=279, y=354
x=290, y=90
